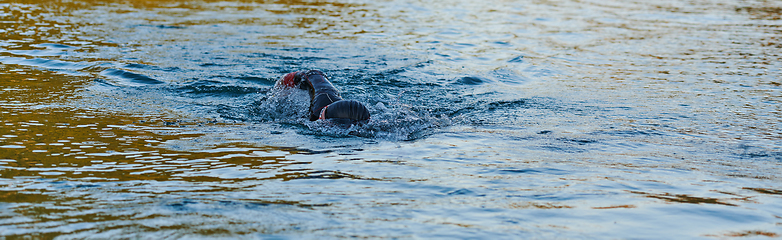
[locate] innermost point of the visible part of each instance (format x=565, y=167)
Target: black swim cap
x=347, y=109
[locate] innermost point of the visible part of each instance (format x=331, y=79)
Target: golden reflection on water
x=24, y=24
x=40, y=137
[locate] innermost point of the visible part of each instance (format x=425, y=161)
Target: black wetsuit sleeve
x=322, y=92
x=347, y=109
x=324, y=95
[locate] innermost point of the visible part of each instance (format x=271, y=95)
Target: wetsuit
x=325, y=102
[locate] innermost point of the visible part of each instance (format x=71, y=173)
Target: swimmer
x=325, y=102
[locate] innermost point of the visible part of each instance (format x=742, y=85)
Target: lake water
x=490, y=119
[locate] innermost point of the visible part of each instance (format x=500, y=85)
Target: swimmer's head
x=345, y=112
x=294, y=79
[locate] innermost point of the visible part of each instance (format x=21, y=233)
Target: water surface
x=490, y=119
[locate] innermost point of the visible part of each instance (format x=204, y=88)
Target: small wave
x=540, y=170
x=209, y=87
x=518, y=59
x=149, y=67
x=129, y=78
x=50, y=49
x=45, y=63
x=161, y=26
x=54, y=46
x=471, y=81
x=265, y=81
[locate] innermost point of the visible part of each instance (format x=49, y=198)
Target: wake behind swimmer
x=325, y=102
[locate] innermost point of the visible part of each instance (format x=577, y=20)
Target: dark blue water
x=527, y=119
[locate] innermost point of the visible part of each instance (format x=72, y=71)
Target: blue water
x=490, y=119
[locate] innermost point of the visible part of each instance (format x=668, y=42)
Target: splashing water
x=490, y=119
x=291, y=107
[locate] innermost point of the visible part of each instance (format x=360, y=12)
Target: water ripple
x=490, y=119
